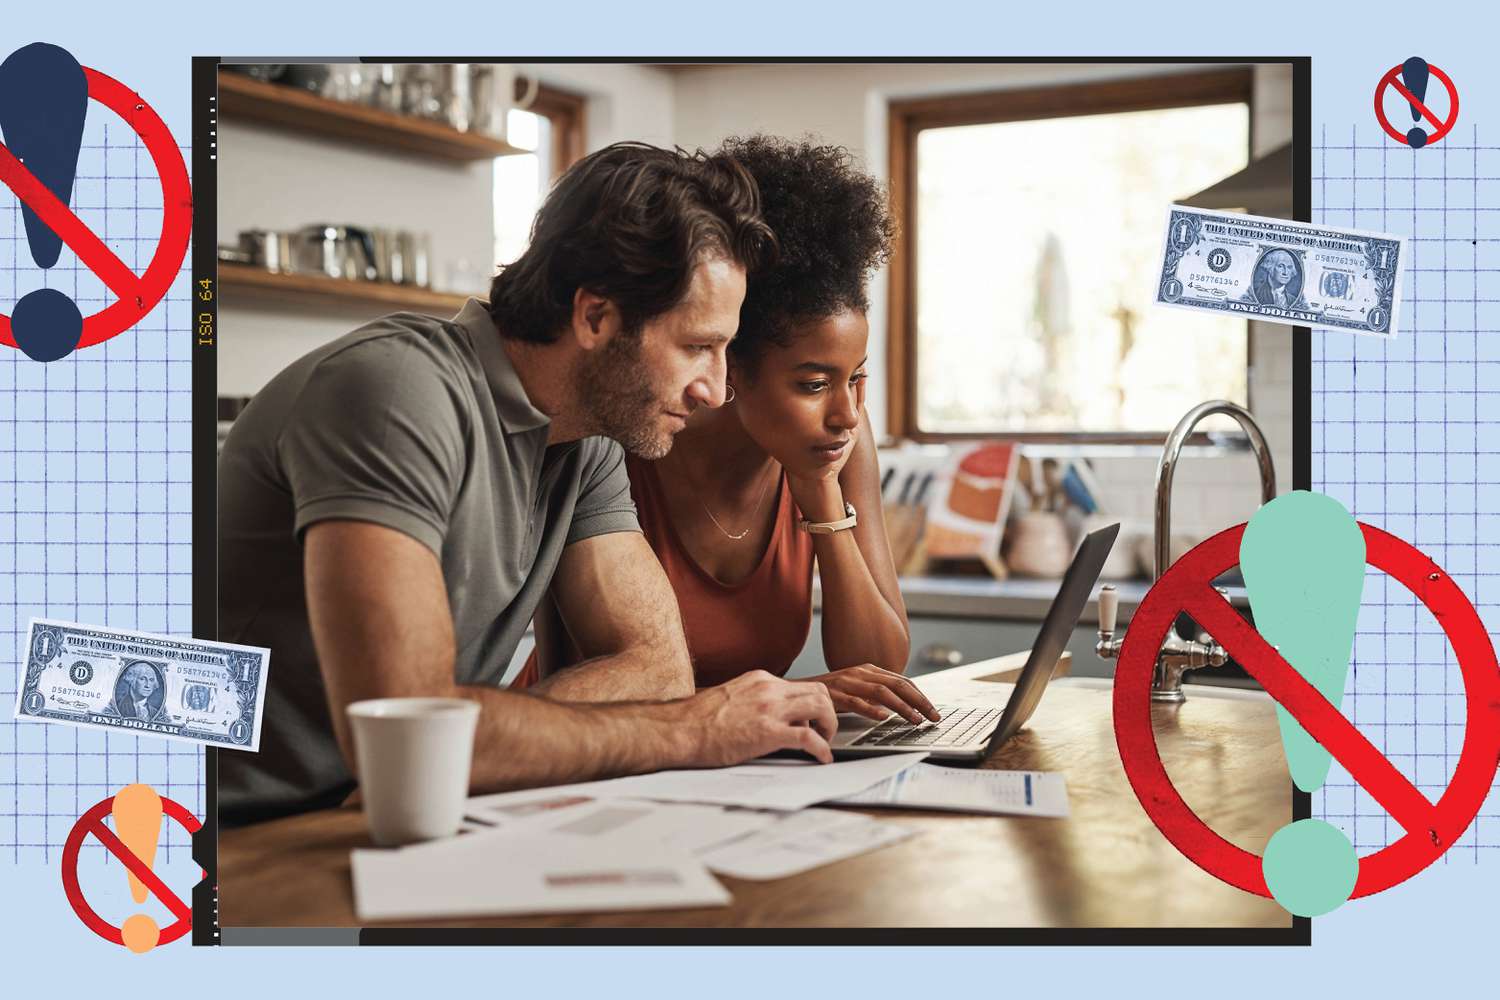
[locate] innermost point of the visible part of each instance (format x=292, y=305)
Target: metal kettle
x=337, y=251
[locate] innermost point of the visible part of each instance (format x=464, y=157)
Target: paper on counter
x=510, y=808
x=784, y=785
x=745, y=843
x=927, y=786
x=800, y=842
x=673, y=826
x=500, y=873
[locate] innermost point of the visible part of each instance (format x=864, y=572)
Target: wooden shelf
x=241, y=284
x=245, y=98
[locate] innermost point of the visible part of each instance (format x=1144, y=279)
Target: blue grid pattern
x=1406, y=433
x=95, y=500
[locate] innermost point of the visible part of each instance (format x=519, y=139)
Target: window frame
x=568, y=114
x=909, y=117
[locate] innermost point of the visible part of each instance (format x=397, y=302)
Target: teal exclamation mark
x=1303, y=558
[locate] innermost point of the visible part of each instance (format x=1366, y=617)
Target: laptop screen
x=1062, y=617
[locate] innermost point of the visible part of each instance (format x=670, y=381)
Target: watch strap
x=849, y=520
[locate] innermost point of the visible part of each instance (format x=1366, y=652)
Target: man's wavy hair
x=630, y=223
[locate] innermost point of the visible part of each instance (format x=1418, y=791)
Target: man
x=394, y=505
x=133, y=695
x=1273, y=281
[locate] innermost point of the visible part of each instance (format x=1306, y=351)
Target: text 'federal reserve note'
x=1281, y=271
x=152, y=685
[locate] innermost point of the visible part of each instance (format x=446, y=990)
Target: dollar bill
x=211, y=693
x=1281, y=271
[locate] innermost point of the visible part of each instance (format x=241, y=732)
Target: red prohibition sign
x=93, y=822
x=1392, y=78
x=136, y=296
x=1431, y=828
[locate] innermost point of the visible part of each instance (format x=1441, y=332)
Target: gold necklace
x=758, y=501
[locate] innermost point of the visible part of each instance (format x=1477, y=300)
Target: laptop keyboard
x=957, y=727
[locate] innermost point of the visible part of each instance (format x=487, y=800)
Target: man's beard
x=622, y=402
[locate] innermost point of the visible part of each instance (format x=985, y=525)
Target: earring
x=729, y=394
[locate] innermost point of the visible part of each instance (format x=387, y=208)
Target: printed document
x=927, y=786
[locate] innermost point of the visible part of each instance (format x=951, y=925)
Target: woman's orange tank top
x=762, y=622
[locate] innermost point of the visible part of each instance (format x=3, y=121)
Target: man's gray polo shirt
x=420, y=425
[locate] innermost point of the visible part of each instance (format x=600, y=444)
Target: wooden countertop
x=1106, y=866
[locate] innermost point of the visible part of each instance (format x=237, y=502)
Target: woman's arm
x=864, y=617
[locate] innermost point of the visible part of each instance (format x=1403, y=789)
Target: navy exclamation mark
x=44, y=96
x=1414, y=74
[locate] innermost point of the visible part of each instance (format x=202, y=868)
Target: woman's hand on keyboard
x=876, y=692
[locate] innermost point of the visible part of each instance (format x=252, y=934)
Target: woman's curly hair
x=833, y=227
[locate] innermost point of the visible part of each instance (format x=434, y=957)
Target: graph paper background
x=1404, y=434
x=95, y=500
x=94, y=457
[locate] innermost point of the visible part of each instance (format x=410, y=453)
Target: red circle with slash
x=1431, y=828
x=1392, y=78
x=93, y=822
x=136, y=296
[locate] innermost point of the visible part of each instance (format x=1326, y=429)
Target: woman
x=791, y=444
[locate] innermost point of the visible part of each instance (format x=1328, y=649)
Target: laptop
x=969, y=734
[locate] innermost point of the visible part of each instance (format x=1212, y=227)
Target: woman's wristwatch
x=849, y=520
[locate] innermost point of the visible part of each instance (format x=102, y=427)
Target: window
x=520, y=182
x=551, y=130
x=1032, y=229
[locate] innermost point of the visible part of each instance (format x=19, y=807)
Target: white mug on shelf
x=493, y=90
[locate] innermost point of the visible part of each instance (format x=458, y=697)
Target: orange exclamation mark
x=137, y=812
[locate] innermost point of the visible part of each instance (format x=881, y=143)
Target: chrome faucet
x=1179, y=655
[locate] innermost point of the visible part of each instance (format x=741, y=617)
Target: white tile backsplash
x=1212, y=489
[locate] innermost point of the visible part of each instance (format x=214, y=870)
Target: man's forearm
x=642, y=674
x=383, y=629
x=622, y=623
x=524, y=741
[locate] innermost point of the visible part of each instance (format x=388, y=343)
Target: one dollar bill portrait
x=1281, y=271
x=211, y=693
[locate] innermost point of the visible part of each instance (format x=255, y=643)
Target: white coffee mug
x=413, y=756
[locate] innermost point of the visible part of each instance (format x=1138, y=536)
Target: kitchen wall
x=625, y=101
x=271, y=179
x=1270, y=343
